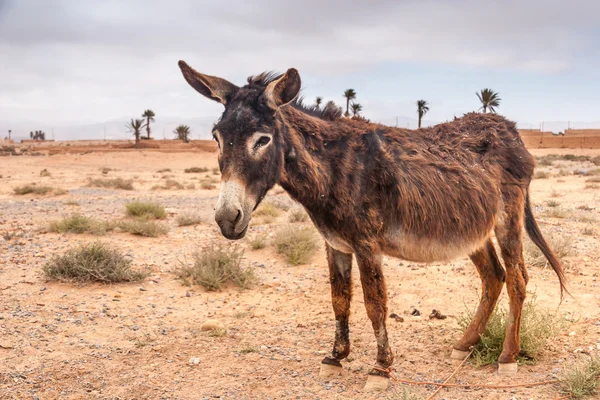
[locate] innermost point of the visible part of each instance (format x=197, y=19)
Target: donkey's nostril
x=238, y=217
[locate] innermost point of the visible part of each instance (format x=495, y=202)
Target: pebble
x=194, y=361
x=211, y=325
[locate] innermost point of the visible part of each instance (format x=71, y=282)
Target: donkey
x=426, y=195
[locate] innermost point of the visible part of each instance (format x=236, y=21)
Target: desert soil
x=134, y=341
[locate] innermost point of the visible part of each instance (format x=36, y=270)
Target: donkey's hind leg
x=510, y=239
x=340, y=267
x=492, y=279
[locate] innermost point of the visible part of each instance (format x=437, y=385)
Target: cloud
x=92, y=60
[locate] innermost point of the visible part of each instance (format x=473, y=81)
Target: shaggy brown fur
x=427, y=195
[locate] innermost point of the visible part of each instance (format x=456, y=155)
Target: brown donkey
x=427, y=195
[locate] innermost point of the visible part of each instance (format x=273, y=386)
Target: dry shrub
x=556, y=212
x=298, y=244
x=581, y=379
x=45, y=173
x=216, y=171
x=267, y=209
x=562, y=246
x=588, y=231
x=145, y=209
x=79, y=223
x=143, y=227
x=94, y=262
x=105, y=170
x=553, y=203
x=537, y=326
x=32, y=188
x=207, y=185
x=195, y=170
x=161, y=171
x=189, y=219
x=541, y=175
x=170, y=184
x=298, y=215
x=573, y=157
x=116, y=183
x=258, y=242
x=592, y=186
x=595, y=160
x=217, y=266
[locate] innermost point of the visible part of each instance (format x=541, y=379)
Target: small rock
x=143, y=289
x=415, y=313
x=187, y=294
x=572, y=333
x=211, y=325
x=396, y=317
x=135, y=327
x=194, y=361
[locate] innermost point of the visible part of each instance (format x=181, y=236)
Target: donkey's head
x=251, y=146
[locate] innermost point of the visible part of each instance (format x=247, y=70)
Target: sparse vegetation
x=188, y=219
x=217, y=266
x=95, y=262
x=71, y=203
x=161, y=171
x=588, y=231
x=45, y=173
x=561, y=245
x=105, y=170
x=116, y=183
x=79, y=223
x=298, y=215
x=297, y=244
x=581, y=379
x=267, y=208
x=207, y=185
x=537, y=326
x=592, y=187
x=145, y=209
x=170, y=184
x=541, y=175
x=553, y=203
x=556, y=212
x=246, y=350
x=216, y=171
x=195, y=170
x=32, y=188
x=143, y=227
x=595, y=179
x=258, y=242
x=595, y=160
x=573, y=157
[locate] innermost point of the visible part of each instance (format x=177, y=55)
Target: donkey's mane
x=329, y=112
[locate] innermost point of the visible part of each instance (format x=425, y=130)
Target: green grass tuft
x=581, y=379
x=145, y=209
x=79, y=223
x=537, y=326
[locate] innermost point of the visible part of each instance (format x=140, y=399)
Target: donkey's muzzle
x=232, y=222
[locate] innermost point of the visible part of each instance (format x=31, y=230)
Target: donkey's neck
x=307, y=169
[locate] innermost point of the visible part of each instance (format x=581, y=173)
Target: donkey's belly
x=425, y=249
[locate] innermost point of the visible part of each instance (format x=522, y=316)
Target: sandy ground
x=134, y=341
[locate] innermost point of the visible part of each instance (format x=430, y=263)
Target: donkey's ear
x=284, y=89
x=214, y=88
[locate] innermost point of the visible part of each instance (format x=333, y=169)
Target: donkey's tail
x=535, y=234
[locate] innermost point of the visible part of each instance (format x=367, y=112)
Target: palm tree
x=9, y=133
x=182, y=132
x=489, y=99
x=318, y=102
x=422, y=108
x=356, y=108
x=349, y=94
x=149, y=115
x=135, y=127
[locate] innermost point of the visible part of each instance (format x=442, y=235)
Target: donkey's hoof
x=459, y=354
x=376, y=383
x=509, y=369
x=330, y=367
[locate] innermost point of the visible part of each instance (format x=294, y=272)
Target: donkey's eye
x=215, y=139
x=263, y=141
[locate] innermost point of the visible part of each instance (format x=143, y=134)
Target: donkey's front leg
x=340, y=267
x=375, y=293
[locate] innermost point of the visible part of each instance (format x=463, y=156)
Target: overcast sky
x=75, y=61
